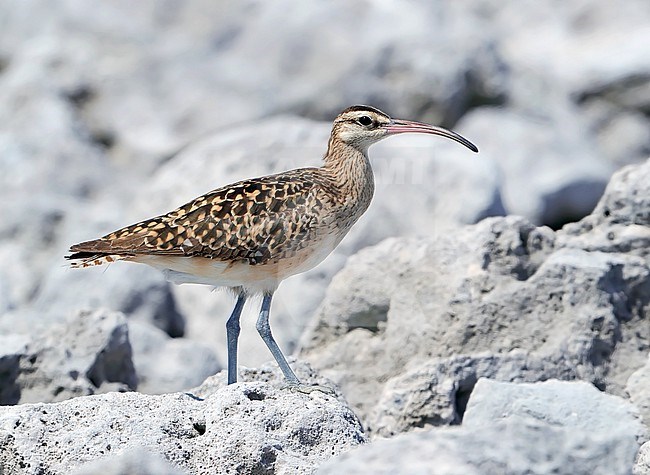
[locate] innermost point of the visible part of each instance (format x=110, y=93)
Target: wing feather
x=258, y=220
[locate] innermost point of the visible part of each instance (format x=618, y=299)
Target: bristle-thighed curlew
x=251, y=235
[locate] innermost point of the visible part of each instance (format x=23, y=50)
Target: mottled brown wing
x=259, y=221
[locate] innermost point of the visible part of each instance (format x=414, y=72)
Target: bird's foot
x=308, y=388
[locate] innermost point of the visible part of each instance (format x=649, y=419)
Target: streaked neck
x=350, y=169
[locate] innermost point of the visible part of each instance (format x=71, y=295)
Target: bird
x=251, y=235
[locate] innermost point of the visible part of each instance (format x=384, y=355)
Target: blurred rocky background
x=114, y=111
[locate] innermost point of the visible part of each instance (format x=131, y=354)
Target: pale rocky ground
x=253, y=427
x=111, y=112
x=501, y=299
x=540, y=428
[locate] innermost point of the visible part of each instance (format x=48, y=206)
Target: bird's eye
x=364, y=120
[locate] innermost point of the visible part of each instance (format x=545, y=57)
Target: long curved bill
x=398, y=126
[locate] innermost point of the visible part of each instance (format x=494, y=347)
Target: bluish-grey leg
x=264, y=329
x=232, y=334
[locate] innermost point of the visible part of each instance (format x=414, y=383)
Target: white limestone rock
x=248, y=427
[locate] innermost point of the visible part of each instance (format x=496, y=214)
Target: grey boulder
x=573, y=405
x=88, y=354
x=544, y=428
x=638, y=388
x=408, y=326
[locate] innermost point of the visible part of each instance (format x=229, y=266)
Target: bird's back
x=258, y=221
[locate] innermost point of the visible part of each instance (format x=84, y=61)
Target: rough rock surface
x=252, y=427
x=542, y=428
x=89, y=354
x=620, y=221
x=642, y=465
x=137, y=461
x=638, y=388
x=95, y=352
x=501, y=299
x=505, y=447
x=574, y=405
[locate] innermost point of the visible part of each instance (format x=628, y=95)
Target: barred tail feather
x=81, y=260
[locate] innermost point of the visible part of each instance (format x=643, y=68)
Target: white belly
x=253, y=278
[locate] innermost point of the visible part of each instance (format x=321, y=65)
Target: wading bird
x=251, y=235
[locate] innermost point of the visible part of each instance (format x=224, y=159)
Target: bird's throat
x=351, y=174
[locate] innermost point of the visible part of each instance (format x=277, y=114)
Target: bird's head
x=362, y=126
